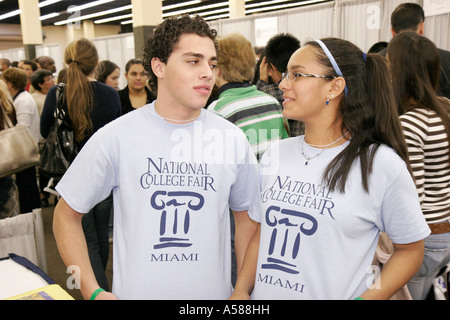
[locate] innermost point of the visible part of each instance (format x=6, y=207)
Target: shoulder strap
x=59, y=111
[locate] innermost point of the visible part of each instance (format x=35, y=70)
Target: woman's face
x=304, y=98
x=136, y=77
x=113, y=79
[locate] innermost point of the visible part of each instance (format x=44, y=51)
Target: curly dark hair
x=165, y=37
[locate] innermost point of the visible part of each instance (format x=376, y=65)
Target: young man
x=29, y=67
x=256, y=113
x=277, y=52
x=410, y=16
x=172, y=179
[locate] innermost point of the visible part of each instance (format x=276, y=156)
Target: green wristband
x=96, y=293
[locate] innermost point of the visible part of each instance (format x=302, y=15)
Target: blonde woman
x=89, y=105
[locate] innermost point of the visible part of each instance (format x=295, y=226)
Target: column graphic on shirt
x=176, y=208
x=288, y=228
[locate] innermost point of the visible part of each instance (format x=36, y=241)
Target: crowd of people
x=232, y=176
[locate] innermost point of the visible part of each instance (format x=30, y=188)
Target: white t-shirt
x=27, y=114
x=317, y=244
x=172, y=186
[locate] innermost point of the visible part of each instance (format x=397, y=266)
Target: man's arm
x=245, y=229
x=246, y=280
x=72, y=247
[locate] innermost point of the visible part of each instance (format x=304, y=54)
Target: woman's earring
x=328, y=101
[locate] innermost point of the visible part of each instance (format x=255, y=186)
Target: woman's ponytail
x=82, y=58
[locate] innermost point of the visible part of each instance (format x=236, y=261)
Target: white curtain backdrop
x=118, y=49
x=363, y=22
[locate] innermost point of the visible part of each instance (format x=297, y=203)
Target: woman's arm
x=399, y=269
x=247, y=274
x=47, y=116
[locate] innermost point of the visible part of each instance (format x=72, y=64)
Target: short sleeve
x=92, y=175
x=401, y=216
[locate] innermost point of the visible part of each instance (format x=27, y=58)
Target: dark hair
x=368, y=110
x=279, y=49
x=415, y=66
x=33, y=65
x=104, y=69
x=377, y=47
x=166, y=36
x=133, y=62
x=62, y=76
x=407, y=16
x=39, y=78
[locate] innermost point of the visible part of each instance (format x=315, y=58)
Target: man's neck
x=175, y=114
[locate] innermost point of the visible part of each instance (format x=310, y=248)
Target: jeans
x=437, y=255
x=96, y=229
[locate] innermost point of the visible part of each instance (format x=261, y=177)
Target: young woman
x=89, y=105
x=136, y=94
x=109, y=73
x=414, y=63
x=326, y=195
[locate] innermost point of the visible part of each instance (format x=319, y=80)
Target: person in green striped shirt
x=257, y=113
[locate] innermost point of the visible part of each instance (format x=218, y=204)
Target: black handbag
x=59, y=149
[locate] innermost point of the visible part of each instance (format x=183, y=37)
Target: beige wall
x=10, y=36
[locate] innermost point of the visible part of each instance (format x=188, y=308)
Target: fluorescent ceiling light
x=48, y=16
x=259, y=4
x=283, y=6
x=93, y=15
x=127, y=22
x=211, y=6
x=87, y=5
x=10, y=14
x=125, y=16
x=47, y=3
x=208, y=13
x=227, y=15
x=18, y=11
x=183, y=4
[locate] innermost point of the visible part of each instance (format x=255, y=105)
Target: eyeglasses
x=291, y=76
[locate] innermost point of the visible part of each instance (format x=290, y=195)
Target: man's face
x=189, y=74
x=48, y=64
x=28, y=70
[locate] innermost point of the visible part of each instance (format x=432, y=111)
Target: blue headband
x=333, y=62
